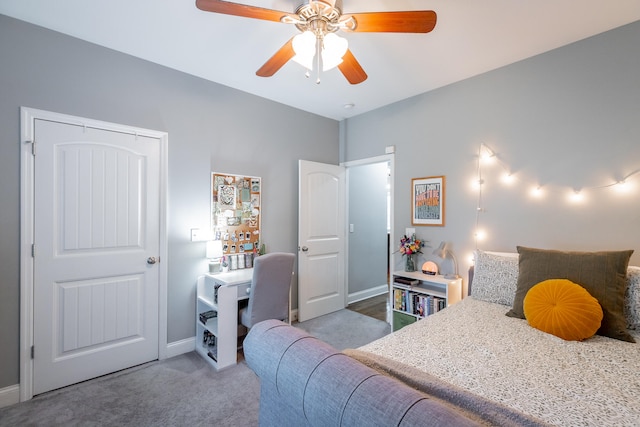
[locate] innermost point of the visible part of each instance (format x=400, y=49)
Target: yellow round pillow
x=563, y=308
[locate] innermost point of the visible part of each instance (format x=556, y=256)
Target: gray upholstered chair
x=270, y=287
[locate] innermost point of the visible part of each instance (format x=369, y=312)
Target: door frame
x=386, y=158
x=27, y=215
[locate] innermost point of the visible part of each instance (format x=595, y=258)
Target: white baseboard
x=367, y=293
x=177, y=348
x=9, y=395
x=294, y=315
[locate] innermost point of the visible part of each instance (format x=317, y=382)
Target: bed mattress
x=473, y=345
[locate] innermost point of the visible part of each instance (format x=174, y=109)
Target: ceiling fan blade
x=418, y=21
x=351, y=69
x=236, y=9
x=281, y=57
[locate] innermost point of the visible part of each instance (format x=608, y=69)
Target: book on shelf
x=397, y=299
x=405, y=281
x=420, y=305
x=205, y=316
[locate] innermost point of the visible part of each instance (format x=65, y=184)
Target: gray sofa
x=306, y=382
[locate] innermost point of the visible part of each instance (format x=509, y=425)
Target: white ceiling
x=470, y=37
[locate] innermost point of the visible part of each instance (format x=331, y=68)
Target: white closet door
x=97, y=229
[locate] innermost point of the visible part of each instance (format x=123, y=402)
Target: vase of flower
x=409, y=247
x=410, y=263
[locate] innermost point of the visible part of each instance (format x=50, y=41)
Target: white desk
x=217, y=340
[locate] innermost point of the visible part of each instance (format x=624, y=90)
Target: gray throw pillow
x=632, y=298
x=495, y=277
x=602, y=274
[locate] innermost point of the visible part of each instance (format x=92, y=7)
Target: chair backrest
x=269, y=298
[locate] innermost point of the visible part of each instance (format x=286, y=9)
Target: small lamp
x=443, y=251
x=214, y=253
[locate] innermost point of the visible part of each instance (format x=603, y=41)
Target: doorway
x=331, y=280
x=370, y=198
x=93, y=289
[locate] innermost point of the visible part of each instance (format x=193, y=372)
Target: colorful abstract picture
x=427, y=201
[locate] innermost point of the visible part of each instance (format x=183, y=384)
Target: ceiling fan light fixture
x=334, y=48
x=322, y=18
x=304, y=45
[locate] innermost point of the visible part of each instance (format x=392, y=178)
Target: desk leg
x=227, y=326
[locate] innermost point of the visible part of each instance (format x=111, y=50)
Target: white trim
x=177, y=348
x=9, y=395
x=368, y=293
x=27, y=123
x=163, y=309
x=26, y=261
x=369, y=161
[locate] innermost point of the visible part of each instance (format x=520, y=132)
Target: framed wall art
x=427, y=201
x=235, y=211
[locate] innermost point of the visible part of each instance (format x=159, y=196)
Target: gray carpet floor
x=181, y=391
x=345, y=329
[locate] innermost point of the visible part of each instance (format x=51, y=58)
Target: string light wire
x=479, y=205
x=485, y=153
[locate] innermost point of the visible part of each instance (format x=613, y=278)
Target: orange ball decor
x=563, y=308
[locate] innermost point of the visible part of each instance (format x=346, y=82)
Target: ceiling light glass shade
x=304, y=45
x=334, y=48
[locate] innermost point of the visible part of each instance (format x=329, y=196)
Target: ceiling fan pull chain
x=318, y=58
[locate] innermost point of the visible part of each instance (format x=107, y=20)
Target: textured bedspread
x=473, y=345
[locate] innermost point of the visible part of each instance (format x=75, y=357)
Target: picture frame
x=428, y=201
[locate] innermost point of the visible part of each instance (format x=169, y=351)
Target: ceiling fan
x=318, y=21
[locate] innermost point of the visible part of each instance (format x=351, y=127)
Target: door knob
x=151, y=260
x=305, y=249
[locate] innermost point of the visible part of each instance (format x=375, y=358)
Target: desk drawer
x=243, y=290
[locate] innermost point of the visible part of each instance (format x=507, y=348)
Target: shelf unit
x=425, y=295
x=207, y=334
x=217, y=339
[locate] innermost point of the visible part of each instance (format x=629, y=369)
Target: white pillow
x=631, y=298
x=495, y=277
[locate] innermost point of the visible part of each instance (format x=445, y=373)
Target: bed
x=473, y=352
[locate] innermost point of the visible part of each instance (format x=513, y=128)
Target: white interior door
x=321, y=239
x=96, y=235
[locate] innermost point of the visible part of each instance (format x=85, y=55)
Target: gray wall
x=567, y=118
x=211, y=128
x=368, y=214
